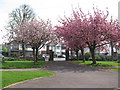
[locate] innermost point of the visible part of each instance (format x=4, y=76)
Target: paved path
x=115, y=66
x=72, y=75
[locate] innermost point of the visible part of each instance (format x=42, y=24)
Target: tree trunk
x=23, y=49
x=33, y=53
x=36, y=56
x=71, y=55
x=51, y=53
x=82, y=52
x=9, y=50
x=67, y=55
x=92, y=51
x=112, y=51
x=47, y=49
x=77, y=54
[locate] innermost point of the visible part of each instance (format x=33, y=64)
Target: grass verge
x=21, y=64
x=115, y=69
x=11, y=77
x=100, y=63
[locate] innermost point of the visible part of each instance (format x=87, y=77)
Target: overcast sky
x=53, y=9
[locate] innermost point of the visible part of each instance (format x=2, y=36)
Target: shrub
x=118, y=56
x=115, y=59
x=97, y=57
x=9, y=59
x=102, y=57
x=80, y=57
x=108, y=58
x=118, y=61
x=15, y=54
x=87, y=56
x=17, y=59
x=90, y=58
x=2, y=61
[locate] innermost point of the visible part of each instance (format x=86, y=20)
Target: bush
x=102, y=57
x=118, y=61
x=97, y=57
x=15, y=54
x=17, y=59
x=118, y=56
x=9, y=59
x=87, y=56
x=2, y=61
x=80, y=57
x=90, y=58
x=105, y=58
x=108, y=58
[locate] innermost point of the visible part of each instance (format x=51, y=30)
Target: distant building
x=0, y=48
x=15, y=49
x=57, y=49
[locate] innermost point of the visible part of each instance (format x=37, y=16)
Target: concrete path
x=72, y=75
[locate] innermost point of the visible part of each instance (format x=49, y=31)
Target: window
x=57, y=47
x=28, y=46
x=15, y=47
x=63, y=47
x=58, y=53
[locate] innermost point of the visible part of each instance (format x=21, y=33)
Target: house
x=15, y=49
x=57, y=49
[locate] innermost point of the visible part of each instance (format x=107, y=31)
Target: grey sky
x=53, y=9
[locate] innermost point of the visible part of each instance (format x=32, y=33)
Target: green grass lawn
x=21, y=64
x=0, y=79
x=100, y=63
x=11, y=77
x=115, y=69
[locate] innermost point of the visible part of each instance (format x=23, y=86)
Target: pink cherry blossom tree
x=35, y=33
x=98, y=30
x=76, y=46
x=70, y=33
x=113, y=34
x=92, y=28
